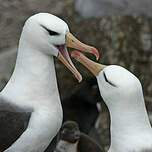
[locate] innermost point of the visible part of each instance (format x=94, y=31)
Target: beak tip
x=96, y=53
x=97, y=58
x=79, y=78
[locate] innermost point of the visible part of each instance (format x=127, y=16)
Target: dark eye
x=52, y=33
x=108, y=80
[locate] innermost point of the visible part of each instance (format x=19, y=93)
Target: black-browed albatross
x=32, y=86
x=122, y=92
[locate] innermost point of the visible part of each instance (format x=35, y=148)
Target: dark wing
x=13, y=122
x=86, y=144
x=6, y=105
x=12, y=125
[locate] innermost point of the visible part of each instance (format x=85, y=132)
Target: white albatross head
x=117, y=85
x=50, y=35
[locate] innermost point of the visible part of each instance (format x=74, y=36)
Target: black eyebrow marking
x=50, y=31
x=108, y=80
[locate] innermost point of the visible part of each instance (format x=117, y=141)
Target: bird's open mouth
x=64, y=57
x=63, y=50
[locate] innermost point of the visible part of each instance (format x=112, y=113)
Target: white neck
x=34, y=77
x=130, y=126
x=64, y=146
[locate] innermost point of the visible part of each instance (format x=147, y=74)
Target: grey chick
x=70, y=139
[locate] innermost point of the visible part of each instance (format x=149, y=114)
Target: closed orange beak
x=94, y=67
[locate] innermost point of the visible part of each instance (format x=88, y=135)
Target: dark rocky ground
x=121, y=40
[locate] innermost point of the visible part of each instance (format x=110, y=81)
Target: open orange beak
x=72, y=42
x=94, y=67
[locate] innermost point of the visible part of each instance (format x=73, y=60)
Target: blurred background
x=120, y=29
